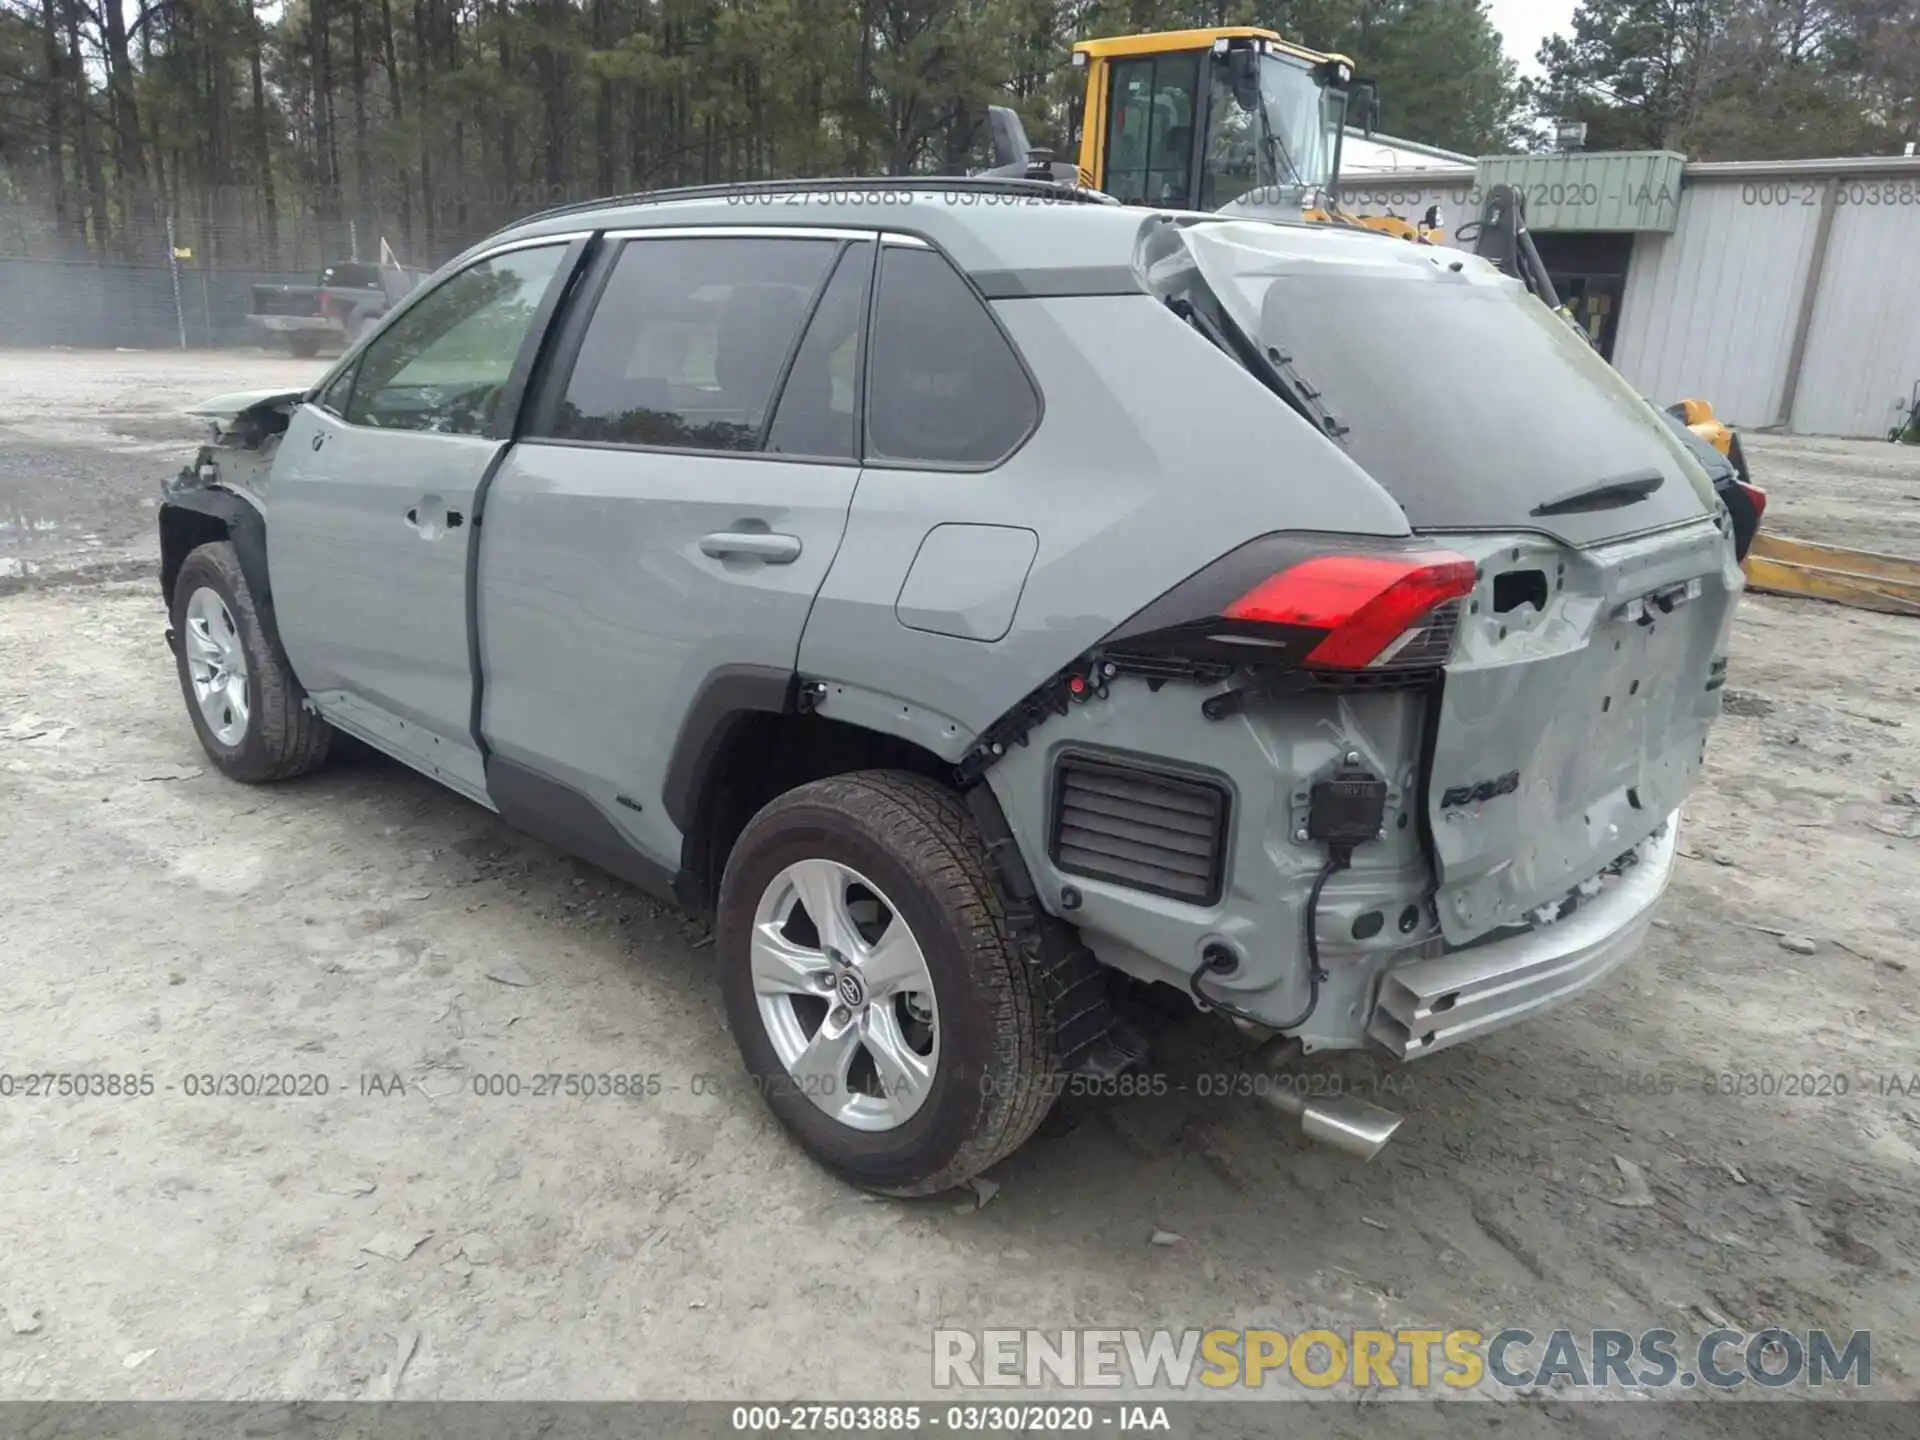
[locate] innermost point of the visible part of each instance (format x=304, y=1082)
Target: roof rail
x=994, y=184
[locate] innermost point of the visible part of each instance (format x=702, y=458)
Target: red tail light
x=1759, y=499
x=1364, y=603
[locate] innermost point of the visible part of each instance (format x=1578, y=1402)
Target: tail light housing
x=1758, y=497
x=1317, y=604
x=1369, y=608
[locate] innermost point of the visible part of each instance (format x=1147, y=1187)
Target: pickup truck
x=345, y=301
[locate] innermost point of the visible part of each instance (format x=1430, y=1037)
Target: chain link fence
x=183, y=278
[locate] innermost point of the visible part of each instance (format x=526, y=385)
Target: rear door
x=666, y=520
x=371, y=500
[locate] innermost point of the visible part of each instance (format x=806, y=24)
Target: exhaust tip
x=1348, y=1124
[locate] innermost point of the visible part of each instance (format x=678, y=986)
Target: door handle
x=751, y=544
x=439, y=518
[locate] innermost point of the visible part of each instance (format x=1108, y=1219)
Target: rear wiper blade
x=1606, y=495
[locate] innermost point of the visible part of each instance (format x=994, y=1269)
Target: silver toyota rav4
x=965, y=590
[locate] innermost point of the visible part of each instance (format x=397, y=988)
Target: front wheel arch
x=201, y=517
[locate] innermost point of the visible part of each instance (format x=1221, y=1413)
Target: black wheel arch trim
x=984, y=806
x=726, y=696
x=243, y=526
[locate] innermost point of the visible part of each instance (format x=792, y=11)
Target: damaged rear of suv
x=1397, y=789
x=965, y=597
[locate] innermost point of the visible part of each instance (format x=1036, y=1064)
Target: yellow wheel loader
x=1206, y=119
x=1240, y=119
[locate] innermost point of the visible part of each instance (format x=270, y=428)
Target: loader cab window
x=1233, y=160
x=1150, y=129
x=1304, y=119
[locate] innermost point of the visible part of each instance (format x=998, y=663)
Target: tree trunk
x=362, y=159
x=509, y=158
x=391, y=60
x=135, y=207
x=863, y=90
x=602, y=107
x=330, y=122
x=553, y=95
x=263, y=149
x=56, y=156
x=98, y=227
x=423, y=82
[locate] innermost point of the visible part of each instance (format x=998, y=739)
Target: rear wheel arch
x=743, y=743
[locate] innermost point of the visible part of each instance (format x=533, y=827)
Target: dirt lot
x=406, y=1235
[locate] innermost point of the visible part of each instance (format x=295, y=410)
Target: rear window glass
x=687, y=343
x=351, y=276
x=816, y=413
x=1473, y=404
x=944, y=387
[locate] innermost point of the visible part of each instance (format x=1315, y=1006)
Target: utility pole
x=173, y=269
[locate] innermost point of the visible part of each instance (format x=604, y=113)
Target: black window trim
x=904, y=241
x=872, y=258
x=572, y=244
x=351, y=374
x=549, y=389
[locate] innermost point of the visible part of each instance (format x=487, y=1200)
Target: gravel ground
x=404, y=1235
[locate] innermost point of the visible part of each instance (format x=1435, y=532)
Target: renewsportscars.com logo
x=1438, y=1360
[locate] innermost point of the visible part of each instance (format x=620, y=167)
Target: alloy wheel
x=846, y=996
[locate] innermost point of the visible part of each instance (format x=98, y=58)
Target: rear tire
x=907, y=850
x=248, y=710
x=303, y=345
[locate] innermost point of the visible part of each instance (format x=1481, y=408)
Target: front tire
x=905, y=1034
x=303, y=345
x=246, y=707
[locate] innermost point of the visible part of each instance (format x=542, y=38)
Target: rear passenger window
x=944, y=387
x=816, y=412
x=688, y=340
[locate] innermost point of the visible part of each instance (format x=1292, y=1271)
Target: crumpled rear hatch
x=1572, y=716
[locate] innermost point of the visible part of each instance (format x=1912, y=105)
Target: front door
x=370, y=510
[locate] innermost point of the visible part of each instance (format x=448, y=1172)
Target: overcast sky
x=1523, y=24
